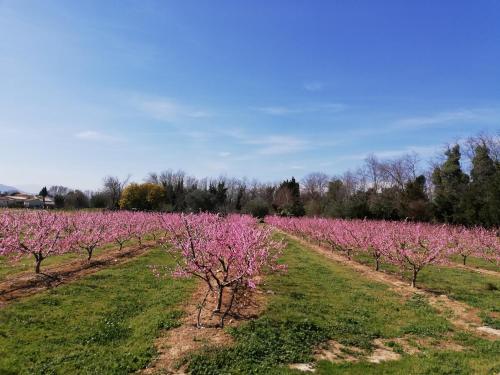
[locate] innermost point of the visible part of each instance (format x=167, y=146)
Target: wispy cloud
x=277, y=144
x=95, y=136
x=314, y=86
x=224, y=154
x=450, y=117
x=168, y=109
x=301, y=109
x=421, y=151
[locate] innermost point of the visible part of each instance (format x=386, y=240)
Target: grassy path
x=323, y=310
x=25, y=266
x=105, y=323
x=478, y=289
x=24, y=284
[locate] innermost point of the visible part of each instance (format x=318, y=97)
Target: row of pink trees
x=44, y=233
x=227, y=253
x=410, y=246
x=36, y=233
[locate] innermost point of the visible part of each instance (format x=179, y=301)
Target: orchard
x=407, y=245
x=190, y=275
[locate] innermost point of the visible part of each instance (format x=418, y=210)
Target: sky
x=262, y=89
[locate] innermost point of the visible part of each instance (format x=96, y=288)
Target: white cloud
x=275, y=144
x=224, y=154
x=312, y=108
x=314, y=86
x=451, y=117
x=167, y=109
x=91, y=135
x=423, y=151
x=275, y=110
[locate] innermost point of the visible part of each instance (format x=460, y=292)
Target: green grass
x=317, y=300
x=474, y=262
x=476, y=289
x=479, y=357
x=10, y=268
x=106, y=323
x=102, y=324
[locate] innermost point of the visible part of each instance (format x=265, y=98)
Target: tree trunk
x=37, y=265
x=228, y=308
x=377, y=264
x=414, y=278
x=200, y=309
x=220, y=294
x=89, y=252
x=464, y=258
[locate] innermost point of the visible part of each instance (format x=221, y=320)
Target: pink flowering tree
x=4, y=228
x=465, y=242
x=144, y=224
x=415, y=246
x=120, y=226
x=36, y=233
x=488, y=244
x=371, y=236
x=228, y=254
x=90, y=230
x=126, y=225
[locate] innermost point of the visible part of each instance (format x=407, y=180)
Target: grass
x=476, y=289
x=318, y=300
x=9, y=268
x=474, y=262
x=105, y=323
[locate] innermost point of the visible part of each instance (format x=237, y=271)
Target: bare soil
x=175, y=345
x=383, y=350
x=29, y=283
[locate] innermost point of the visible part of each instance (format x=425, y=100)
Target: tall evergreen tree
x=44, y=193
x=450, y=184
x=415, y=203
x=481, y=202
x=287, y=199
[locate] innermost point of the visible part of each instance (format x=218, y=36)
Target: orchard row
x=43, y=233
x=227, y=253
x=409, y=246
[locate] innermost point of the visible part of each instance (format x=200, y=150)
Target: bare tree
x=372, y=171
x=315, y=185
x=152, y=178
x=113, y=188
x=57, y=190
x=492, y=142
x=397, y=172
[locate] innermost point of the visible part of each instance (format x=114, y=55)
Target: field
x=324, y=313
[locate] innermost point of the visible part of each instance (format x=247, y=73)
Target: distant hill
x=7, y=189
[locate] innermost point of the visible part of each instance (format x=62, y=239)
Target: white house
x=26, y=201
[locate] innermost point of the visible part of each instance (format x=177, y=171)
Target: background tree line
x=462, y=187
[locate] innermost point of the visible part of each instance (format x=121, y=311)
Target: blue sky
x=264, y=89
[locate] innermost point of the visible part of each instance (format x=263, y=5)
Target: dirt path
x=175, y=344
x=478, y=270
x=28, y=283
x=459, y=314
